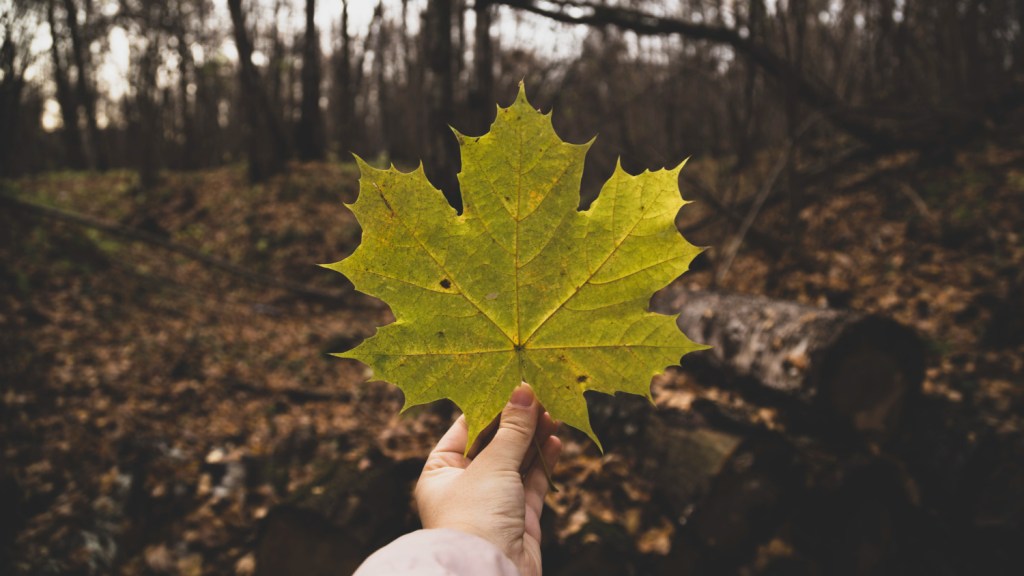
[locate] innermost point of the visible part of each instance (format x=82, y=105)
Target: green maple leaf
x=521, y=287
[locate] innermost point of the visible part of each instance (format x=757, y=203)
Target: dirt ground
x=155, y=409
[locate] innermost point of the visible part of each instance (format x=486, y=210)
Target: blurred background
x=171, y=172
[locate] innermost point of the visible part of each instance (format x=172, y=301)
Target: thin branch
x=784, y=159
x=154, y=240
x=811, y=89
x=734, y=246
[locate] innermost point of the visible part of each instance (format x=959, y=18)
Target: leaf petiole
x=544, y=465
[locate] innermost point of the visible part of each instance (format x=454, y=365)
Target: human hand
x=497, y=495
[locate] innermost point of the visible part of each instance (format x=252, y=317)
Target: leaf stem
x=544, y=465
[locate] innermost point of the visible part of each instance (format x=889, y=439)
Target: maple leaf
x=522, y=286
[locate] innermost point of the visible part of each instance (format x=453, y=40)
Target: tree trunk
x=346, y=96
x=442, y=149
x=459, y=50
x=745, y=133
x=275, y=70
x=481, y=97
x=86, y=96
x=797, y=12
x=1020, y=36
x=310, y=137
x=70, y=132
x=268, y=144
x=186, y=67
x=848, y=367
x=379, y=74
x=149, y=117
x=12, y=86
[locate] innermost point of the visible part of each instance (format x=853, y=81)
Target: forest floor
x=137, y=381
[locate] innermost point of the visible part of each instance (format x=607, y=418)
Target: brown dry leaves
x=159, y=405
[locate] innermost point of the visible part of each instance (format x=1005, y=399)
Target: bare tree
x=268, y=145
x=85, y=92
x=148, y=110
x=916, y=127
x=343, y=81
x=14, y=60
x=481, y=92
x=441, y=149
x=186, y=77
x=380, y=47
x=70, y=132
x=310, y=140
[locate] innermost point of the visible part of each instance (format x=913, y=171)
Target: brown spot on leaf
x=446, y=283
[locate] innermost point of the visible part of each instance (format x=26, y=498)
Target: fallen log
x=734, y=487
x=851, y=368
x=331, y=525
x=727, y=490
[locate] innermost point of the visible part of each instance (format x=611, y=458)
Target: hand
x=499, y=494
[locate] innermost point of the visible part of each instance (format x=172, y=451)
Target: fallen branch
x=909, y=129
x=733, y=247
x=154, y=240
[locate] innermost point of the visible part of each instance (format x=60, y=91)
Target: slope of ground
x=154, y=409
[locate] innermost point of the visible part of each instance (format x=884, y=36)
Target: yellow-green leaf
x=522, y=286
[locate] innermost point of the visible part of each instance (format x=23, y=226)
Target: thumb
x=515, y=432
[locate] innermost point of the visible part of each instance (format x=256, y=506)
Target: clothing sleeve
x=438, y=552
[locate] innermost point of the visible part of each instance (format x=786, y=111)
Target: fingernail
x=521, y=396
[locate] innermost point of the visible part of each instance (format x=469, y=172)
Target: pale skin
x=498, y=494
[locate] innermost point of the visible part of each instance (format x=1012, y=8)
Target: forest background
x=170, y=171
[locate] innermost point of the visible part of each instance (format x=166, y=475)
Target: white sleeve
x=438, y=552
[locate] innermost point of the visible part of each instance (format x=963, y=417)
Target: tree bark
x=149, y=117
x=86, y=96
x=442, y=148
x=276, y=69
x=346, y=95
x=12, y=87
x=850, y=368
x=481, y=96
x=268, y=143
x=380, y=76
x=186, y=67
x=310, y=134
x=71, y=134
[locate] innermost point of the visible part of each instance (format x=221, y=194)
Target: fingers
x=515, y=433
x=536, y=485
x=449, y=449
